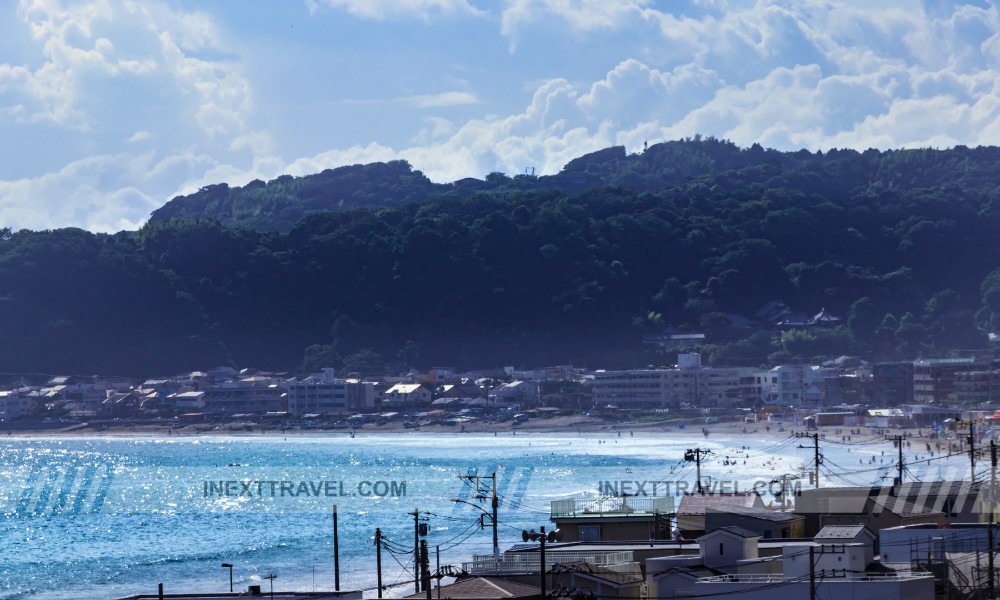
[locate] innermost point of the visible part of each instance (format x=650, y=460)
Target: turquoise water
x=108, y=517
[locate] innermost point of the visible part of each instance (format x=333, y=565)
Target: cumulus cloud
x=788, y=74
x=392, y=9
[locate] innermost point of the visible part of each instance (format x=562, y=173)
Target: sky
x=109, y=108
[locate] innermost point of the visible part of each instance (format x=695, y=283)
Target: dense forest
x=375, y=267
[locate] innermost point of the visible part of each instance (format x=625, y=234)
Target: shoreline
x=566, y=425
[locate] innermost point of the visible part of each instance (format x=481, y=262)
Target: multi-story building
x=789, y=385
x=892, y=383
x=232, y=397
x=977, y=387
x=934, y=378
x=689, y=383
x=323, y=393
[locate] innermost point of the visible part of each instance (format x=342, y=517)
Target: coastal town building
x=524, y=393
x=620, y=518
x=837, y=563
x=691, y=513
x=406, y=394
x=934, y=380
x=688, y=384
x=14, y=404
x=789, y=385
x=323, y=393
x=767, y=524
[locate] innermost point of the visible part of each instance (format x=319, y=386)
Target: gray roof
x=756, y=513
x=841, y=532
x=734, y=530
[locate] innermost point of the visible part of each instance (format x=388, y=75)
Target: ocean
x=104, y=517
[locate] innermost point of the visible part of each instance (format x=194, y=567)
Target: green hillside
x=375, y=266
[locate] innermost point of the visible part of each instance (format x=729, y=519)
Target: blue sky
x=109, y=108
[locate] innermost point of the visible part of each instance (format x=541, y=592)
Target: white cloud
x=95, y=193
x=442, y=99
x=139, y=136
x=79, y=45
x=584, y=15
x=393, y=9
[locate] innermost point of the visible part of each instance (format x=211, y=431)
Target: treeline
x=374, y=266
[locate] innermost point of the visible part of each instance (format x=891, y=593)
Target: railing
x=826, y=577
x=612, y=505
x=530, y=562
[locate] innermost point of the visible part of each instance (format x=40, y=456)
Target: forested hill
x=374, y=266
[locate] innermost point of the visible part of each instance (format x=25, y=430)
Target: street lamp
x=541, y=536
x=230, y=567
x=493, y=519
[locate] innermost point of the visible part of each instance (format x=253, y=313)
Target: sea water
x=103, y=517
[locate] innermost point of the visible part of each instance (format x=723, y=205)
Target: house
x=765, y=523
x=524, y=393
x=613, y=518
x=14, y=404
x=691, y=512
x=879, y=507
x=482, y=588
x=603, y=573
x=593, y=581
x=403, y=394
x=838, y=563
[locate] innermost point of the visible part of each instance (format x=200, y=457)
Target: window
x=949, y=508
x=590, y=533
x=722, y=549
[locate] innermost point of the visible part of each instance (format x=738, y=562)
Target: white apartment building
x=789, y=385
x=323, y=393
x=13, y=405
x=689, y=383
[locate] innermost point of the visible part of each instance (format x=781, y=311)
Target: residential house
x=838, y=563
x=406, y=394
x=879, y=507
x=765, y=523
x=693, y=506
x=14, y=404
x=613, y=518
x=482, y=588
x=522, y=393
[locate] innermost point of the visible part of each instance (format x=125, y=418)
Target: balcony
x=611, y=506
x=515, y=563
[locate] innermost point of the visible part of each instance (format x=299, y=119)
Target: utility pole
x=695, y=455
x=993, y=481
x=378, y=559
x=989, y=560
x=972, y=448
x=815, y=438
x=812, y=573
x=425, y=568
x=416, y=549
x=989, y=528
x=897, y=440
x=494, y=504
x=336, y=552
